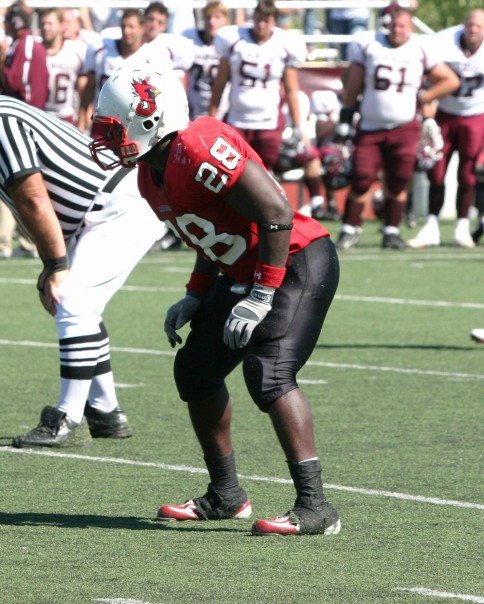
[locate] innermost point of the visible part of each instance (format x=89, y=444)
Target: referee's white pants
x=112, y=241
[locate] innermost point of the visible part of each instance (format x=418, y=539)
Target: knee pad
x=265, y=382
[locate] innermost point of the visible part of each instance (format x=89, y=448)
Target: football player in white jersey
x=205, y=64
x=158, y=40
x=116, y=54
x=256, y=60
x=461, y=119
x=387, y=69
x=65, y=65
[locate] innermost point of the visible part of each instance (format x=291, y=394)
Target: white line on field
x=120, y=601
x=340, y=297
x=423, y=591
x=254, y=478
x=412, y=257
x=410, y=302
x=329, y=365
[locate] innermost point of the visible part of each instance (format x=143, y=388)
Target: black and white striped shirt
x=33, y=141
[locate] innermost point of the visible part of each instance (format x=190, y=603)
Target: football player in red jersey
x=263, y=281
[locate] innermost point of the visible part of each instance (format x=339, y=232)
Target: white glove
x=246, y=315
x=179, y=314
x=431, y=132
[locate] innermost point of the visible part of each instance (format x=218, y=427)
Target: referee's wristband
x=54, y=265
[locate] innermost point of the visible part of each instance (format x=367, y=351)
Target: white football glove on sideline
x=246, y=315
x=431, y=131
x=177, y=315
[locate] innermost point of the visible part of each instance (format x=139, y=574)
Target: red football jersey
x=205, y=161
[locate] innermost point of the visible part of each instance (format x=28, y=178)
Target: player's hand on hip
x=246, y=315
x=48, y=286
x=179, y=314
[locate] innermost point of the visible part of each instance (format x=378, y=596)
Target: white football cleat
x=463, y=238
x=428, y=236
x=478, y=335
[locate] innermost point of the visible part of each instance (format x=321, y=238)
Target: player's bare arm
x=219, y=83
x=35, y=208
x=444, y=81
x=353, y=85
x=291, y=89
x=257, y=197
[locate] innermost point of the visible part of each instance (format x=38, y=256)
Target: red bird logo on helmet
x=147, y=94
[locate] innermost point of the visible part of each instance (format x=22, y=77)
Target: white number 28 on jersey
x=208, y=173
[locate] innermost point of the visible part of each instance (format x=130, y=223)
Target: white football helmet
x=136, y=109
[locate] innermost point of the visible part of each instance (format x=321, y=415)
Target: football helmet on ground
x=136, y=109
x=337, y=165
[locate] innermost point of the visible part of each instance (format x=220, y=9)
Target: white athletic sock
x=317, y=201
x=102, y=395
x=73, y=397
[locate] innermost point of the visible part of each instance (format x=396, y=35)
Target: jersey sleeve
x=431, y=52
x=90, y=60
x=296, y=48
x=18, y=150
x=356, y=48
x=224, y=40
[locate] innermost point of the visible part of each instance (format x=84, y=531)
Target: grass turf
x=396, y=409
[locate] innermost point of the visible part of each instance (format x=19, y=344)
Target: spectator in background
x=256, y=60
x=66, y=68
x=346, y=21
x=460, y=116
x=206, y=60
x=23, y=65
x=73, y=28
x=387, y=70
x=23, y=75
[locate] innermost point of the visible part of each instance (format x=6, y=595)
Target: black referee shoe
x=107, y=425
x=55, y=429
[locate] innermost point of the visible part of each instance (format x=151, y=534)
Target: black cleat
x=55, y=429
x=107, y=425
x=329, y=214
x=393, y=241
x=478, y=233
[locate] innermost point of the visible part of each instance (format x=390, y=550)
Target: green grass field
x=396, y=387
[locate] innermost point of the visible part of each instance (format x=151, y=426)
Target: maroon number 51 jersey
x=205, y=161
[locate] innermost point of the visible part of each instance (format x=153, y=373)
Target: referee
x=70, y=208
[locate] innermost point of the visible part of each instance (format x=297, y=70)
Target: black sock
x=223, y=473
x=308, y=481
